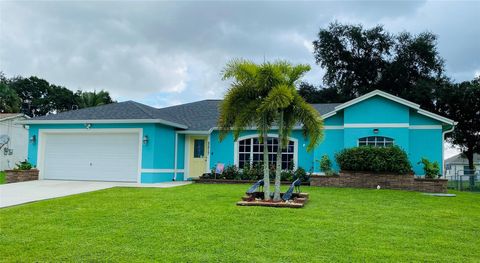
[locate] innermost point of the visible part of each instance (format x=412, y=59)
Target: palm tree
x=91, y=99
x=290, y=109
x=240, y=107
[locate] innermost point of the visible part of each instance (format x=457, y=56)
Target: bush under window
x=373, y=159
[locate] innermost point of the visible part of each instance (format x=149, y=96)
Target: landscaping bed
x=234, y=181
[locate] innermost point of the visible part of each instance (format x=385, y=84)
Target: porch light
x=33, y=139
x=145, y=139
x=375, y=131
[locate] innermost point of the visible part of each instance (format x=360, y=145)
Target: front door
x=198, y=155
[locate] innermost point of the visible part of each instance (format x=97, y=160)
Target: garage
x=90, y=155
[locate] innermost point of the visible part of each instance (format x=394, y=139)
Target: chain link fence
x=465, y=180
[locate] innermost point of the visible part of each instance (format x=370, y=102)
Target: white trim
x=443, y=148
x=186, y=161
x=175, y=146
x=376, y=125
x=169, y=123
x=194, y=132
x=162, y=171
x=379, y=93
x=14, y=117
x=436, y=116
x=43, y=132
x=329, y=114
x=295, y=147
x=333, y=127
x=425, y=127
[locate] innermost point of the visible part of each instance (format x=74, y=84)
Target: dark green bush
x=230, y=172
x=302, y=174
x=374, y=159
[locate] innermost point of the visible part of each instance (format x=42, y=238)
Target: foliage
x=87, y=99
x=38, y=97
x=2, y=177
x=359, y=60
x=325, y=164
x=313, y=94
x=432, y=170
x=374, y=159
x=302, y=174
x=23, y=165
x=461, y=102
x=9, y=100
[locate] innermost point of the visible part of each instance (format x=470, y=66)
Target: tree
x=87, y=99
x=312, y=94
x=289, y=109
x=238, y=110
x=359, y=60
x=461, y=102
x=9, y=100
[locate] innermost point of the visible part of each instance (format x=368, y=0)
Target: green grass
x=201, y=223
x=2, y=177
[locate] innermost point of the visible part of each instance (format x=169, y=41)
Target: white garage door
x=91, y=156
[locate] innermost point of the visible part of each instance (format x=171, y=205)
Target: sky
x=168, y=53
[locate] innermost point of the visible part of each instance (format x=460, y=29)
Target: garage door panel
x=92, y=156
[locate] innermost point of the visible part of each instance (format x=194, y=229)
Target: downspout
x=175, y=157
x=443, y=147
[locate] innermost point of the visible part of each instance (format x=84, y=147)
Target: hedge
x=374, y=159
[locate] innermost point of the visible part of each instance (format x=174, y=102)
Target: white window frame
x=252, y=136
x=376, y=141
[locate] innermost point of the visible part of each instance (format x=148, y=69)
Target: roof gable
x=391, y=97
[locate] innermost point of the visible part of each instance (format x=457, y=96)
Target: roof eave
x=161, y=121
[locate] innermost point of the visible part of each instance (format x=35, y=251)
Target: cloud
x=165, y=53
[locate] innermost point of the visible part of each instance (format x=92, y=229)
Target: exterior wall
x=425, y=143
x=376, y=110
x=223, y=152
x=18, y=143
x=332, y=143
x=157, y=155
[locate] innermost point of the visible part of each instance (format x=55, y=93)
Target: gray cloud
x=164, y=53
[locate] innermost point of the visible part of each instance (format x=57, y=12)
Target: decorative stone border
x=256, y=199
x=384, y=180
x=231, y=181
x=15, y=176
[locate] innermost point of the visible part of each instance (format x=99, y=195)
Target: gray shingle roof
x=197, y=116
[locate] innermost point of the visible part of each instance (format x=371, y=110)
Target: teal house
x=132, y=142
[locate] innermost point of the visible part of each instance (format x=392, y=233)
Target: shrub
x=287, y=175
x=432, y=170
x=326, y=165
x=302, y=174
x=230, y=172
x=374, y=159
x=25, y=165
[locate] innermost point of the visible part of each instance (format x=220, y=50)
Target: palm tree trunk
x=278, y=169
x=266, y=170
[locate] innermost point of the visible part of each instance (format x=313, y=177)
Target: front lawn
x=201, y=223
x=2, y=177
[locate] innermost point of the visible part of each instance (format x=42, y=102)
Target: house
x=129, y=141
x=13, y=140
x=458, y=165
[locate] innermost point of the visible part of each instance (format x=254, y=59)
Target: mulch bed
x=256, y=199
x=231, y=181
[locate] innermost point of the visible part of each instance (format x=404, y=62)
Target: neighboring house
x=129, y=141
x=458, y=165
x=13, y=146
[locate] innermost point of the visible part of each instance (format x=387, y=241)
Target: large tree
x=85, y=99
x=359, y=60
x=289, y=109
x=238, y=110
x=9, y=100
x=461, y=102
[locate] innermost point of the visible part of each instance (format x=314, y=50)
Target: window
x=250, y=151
x=198, y=148
x=375, y=141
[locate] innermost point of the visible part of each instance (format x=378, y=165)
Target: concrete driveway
x=25, y=192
